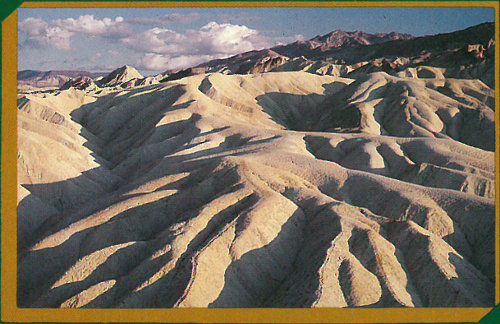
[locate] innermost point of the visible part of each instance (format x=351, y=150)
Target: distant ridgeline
x=466, y=54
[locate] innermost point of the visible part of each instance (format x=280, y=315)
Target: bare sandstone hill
x=277, y=189
x=120, y=75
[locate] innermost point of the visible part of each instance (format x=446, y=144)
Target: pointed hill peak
x=120, y=75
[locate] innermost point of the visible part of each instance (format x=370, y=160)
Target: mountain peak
x=338, y=38
x=126, y=68
x=120, y=75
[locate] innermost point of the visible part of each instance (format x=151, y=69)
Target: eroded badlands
x=281, y=189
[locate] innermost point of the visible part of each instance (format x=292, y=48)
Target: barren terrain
x=282, y=186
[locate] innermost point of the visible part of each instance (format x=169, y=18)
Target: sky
x=154, y=40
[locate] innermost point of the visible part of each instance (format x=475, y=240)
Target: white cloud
x=50, y=37
x=88, y=25
x=211, y=39
x=159, y=62
x=160, y=48
x=58, y=33
x=33, y=26
x=57, y=37
x=227, y=38
x=41, y=34
x=167, y=49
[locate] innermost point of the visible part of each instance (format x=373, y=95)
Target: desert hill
x=260, y=189
x=80, y=83
x=120, y=75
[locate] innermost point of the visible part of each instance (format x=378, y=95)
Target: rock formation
x=120, y=75
x=261, y=189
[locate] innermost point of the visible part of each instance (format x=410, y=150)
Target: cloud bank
x=58, y=33
x=167, y=49
x=158, y=48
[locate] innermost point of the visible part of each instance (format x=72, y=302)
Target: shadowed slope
x=219, y=191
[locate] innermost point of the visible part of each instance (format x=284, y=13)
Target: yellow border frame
x=11, y=313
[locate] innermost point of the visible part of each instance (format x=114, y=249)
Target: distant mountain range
x=465, y=54
x=321, y=45
x=352, y=47
x=54, y=78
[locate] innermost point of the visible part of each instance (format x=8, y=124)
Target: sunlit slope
x=283, y=189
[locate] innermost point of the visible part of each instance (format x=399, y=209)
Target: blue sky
x=156, y=39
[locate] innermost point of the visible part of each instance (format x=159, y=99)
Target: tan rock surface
x=281, y=189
